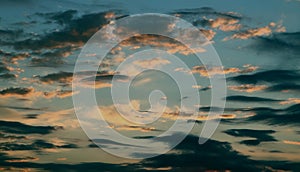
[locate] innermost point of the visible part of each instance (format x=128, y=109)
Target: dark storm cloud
x=271, y=76
x=15, y=91
x=258, y=135
x=241, y=98
x=20, y=128
x=287, y=44
x=60, y=77
x=284, y=87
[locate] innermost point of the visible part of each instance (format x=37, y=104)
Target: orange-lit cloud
x=206, y=72
x=151, y=63
x=249, y=88
x=290, y=101
x=291, y=142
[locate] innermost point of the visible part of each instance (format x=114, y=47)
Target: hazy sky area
x=258, y=43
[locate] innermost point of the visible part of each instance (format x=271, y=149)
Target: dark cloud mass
x=76, y=31
x=286, y=116
x=187, y=156
x=36, y=145
x=20, y=128
x=16, y=91
x=60, y=77
x=270, y=76
x=258, y=135
x=241, y=98
x=284, y=87
x=287, y=44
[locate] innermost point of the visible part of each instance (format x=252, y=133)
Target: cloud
x=287, y=116
x=52, y=58
x=36, y=145
x=263, y=31
x=222, y=23
x=249, y=88
x=60, y=77
x=281, y=43
x=206, y=70
x=186, y=156
x=205, y=11
x=291, y=142
x=241, y=98
x=20, y=128
x=18, y=91
x=284, y=87
x=258, y=32
x=290, y=101
x=74, y=34
x=102, y=79
x=270, y=76
x=151, y=63
x=258, y=135
x=8, y=76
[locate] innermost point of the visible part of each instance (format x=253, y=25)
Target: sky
x=53, y=87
